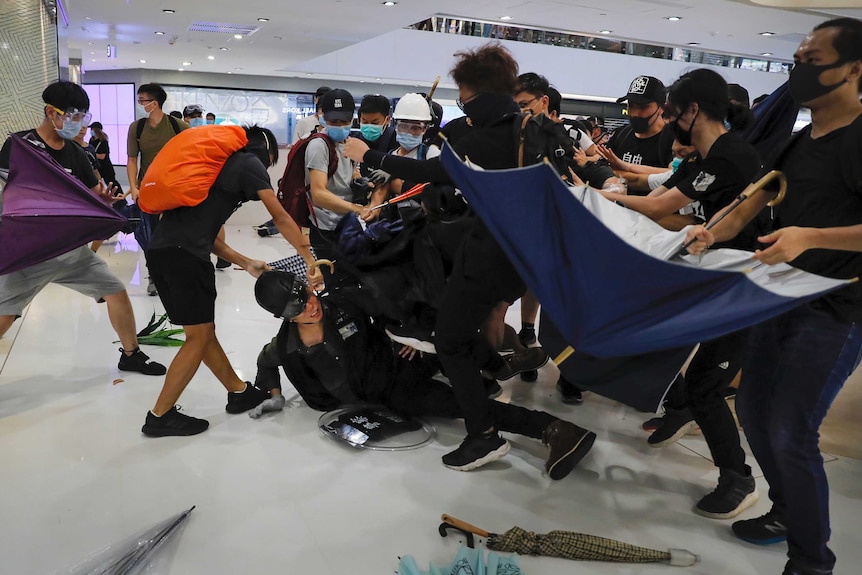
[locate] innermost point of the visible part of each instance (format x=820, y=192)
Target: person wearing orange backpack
x=179, y=262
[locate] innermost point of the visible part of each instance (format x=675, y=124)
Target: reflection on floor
x=275, y=495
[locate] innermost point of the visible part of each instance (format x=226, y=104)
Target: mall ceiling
x=272, y=37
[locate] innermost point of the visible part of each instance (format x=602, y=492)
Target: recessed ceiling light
x=767, y=33
x=230, y=72
x=210, y=57
x=89, y=43
x=87, y=18
x=180, y=69
x=160, y=33
x=263, y=19
x=605, y=31
x=168, y=11
x=93, y=60
x=390, y=3
x=309, y=74
x=505, y=17
x=766, y=54
x=674, y=18
x=187, y=63
x=694, y=43
x=223, y=49
x=142, y=61
x=376, y=78
x=91, y=53
x=238, y=36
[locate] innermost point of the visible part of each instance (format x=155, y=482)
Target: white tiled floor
x=274, y=495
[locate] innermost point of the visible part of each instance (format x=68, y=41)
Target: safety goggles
x=75, y=115
x=193, y=109
x=415, y=128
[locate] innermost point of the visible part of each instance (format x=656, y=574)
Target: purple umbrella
x=47, y=211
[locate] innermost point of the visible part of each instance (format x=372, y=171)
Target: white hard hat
x=412, y=107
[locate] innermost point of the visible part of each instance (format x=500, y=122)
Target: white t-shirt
x=304, y=127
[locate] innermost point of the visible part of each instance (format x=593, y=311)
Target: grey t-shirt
x=317, y=158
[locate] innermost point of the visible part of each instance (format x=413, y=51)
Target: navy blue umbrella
x=774, y=119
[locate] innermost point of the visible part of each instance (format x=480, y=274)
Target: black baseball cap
x=321, y=91
x=643, y=90
x=337, y=104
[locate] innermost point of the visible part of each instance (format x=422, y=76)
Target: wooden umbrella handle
x=318, y=263
x=464, y=526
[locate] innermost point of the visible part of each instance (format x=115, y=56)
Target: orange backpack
x=187, y=166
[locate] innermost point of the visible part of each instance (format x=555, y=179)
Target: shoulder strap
x=174, y=124
x=522, y=134
x=140, y=129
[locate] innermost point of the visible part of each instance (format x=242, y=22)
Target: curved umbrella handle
x=463, y=525
x=318, y=263
x=782, y=186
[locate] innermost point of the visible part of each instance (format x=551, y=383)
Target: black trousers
x=711, y=371
x=482, y=277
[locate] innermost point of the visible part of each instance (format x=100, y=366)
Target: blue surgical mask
x=371, y=132
x=195, y=122
x=69, y=130
x=675, y=164
x=408, y=141
x=141, y=111
x=337, y=133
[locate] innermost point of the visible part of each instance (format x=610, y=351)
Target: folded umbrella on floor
x=571, y=545
x=467, y=562
x=134, y=556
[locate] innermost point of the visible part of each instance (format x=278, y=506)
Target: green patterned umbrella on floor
x=571, y=545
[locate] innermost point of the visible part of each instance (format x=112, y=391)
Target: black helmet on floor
x=281, y=293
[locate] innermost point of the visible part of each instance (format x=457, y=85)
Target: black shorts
x=186, y=285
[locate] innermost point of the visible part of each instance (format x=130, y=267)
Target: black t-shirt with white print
x=716, y=181
x=70, y=156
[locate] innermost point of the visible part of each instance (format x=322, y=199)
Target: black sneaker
x=527, y=336
x=570, y=394
x=675, y=424
x=173, y=423
x=652, y=424
x=492, y=388
x=474, y=452
x=735, y=493
x=568, y=443
x=249, y=398
x=519, y=362
x=222, y=263
x=530, y=376
x=765, y=530
x=139, y=361
x=791, y=569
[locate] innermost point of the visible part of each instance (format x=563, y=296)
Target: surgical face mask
x=210, y=121
x=643, y=125
x=408, y=141
x=195, y=122
x=70, y=129
x=337, y=133
x=805, y=83
x=371, y=132
x=675, y=164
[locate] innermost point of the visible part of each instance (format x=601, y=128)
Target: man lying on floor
x=334, y=355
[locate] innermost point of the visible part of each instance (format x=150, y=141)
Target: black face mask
x=485, y=108
x=643, y=125
x=683, y=136
x=805, y=81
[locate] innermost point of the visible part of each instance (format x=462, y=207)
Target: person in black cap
x=644, y=141
x=334, y=354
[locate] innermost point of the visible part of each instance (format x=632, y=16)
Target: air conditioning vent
x=223, y=28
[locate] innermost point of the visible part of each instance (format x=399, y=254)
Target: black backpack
x=538, y=137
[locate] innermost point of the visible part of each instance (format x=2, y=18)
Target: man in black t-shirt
x=799, y=361
x=65, y=109
x=645, y=141
x=179, y=262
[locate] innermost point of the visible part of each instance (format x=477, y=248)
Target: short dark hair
x=210, y=115
x=176, y=114
x=155, y=91
x=321, y=91
x=709, y=90
x=532, y=83
x=375, y=104
x=488, y=68
x=555, y=100
x=848, y=41
x=260, y=138
x=65, y=95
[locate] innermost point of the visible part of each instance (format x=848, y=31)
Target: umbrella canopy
x=774, y=119
x=577, y=546
x=467, y=562
x=599, y=269
x=46, y=211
